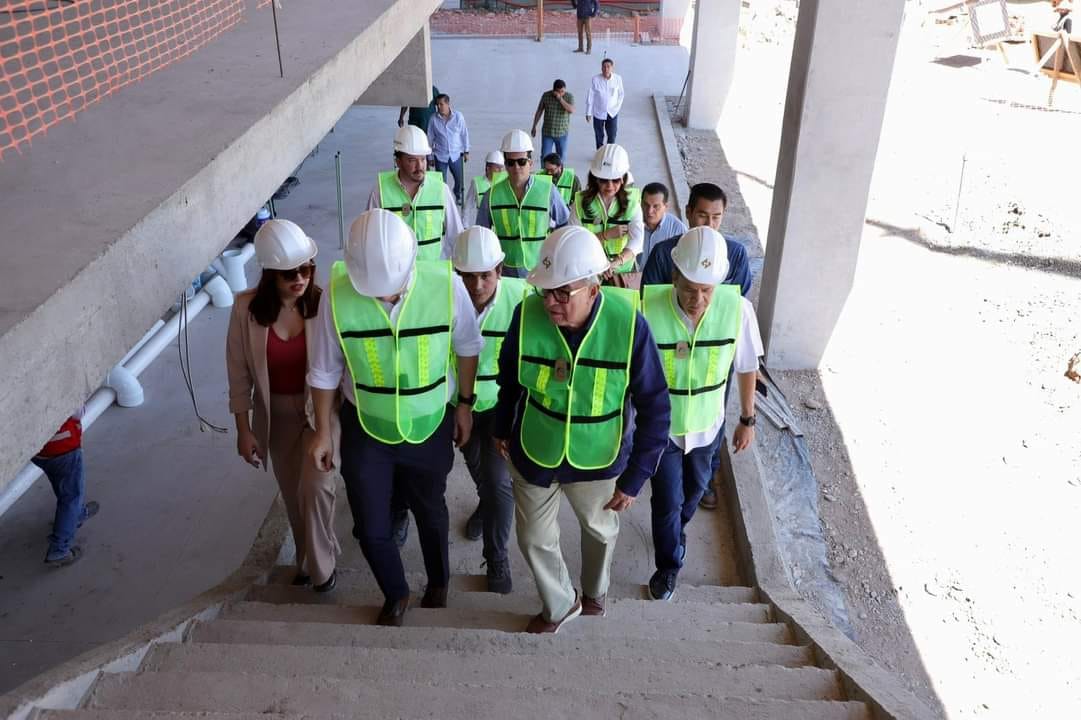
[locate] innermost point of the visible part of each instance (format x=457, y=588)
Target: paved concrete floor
x=179, y=509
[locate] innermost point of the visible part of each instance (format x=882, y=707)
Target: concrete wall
x=408, y=80
x=108, y=218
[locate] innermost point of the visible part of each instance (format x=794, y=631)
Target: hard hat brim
x=472, y=268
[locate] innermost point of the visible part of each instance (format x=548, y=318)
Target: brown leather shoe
x=434, y=597
x=393, y=612
x=593, y=606
x=538, y=625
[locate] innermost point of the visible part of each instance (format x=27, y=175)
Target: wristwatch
x=470, y=400
x=748, y=421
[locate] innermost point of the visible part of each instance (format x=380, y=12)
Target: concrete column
x=674, y=17
x=842, y=63
x=713, y=61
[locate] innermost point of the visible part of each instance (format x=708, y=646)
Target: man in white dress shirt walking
x=604, y=102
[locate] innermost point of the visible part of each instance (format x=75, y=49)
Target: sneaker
x=330, y=584
x=474, y=526
x=89, y=511
x=71, y=558
x=709, y=499
x=662, y=586
x=399, y=528
x=499, y=580
x=539, y=626
x=593, y=607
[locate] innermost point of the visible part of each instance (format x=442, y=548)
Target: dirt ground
x=943, y=433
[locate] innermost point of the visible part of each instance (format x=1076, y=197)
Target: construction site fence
x=636, y=27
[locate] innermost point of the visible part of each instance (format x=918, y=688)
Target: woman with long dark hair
x=267, y=360
x=612, y=211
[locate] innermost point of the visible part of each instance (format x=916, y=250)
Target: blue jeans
x=679, y=483
x=549, y=143
x=455, y=167
x=601, y=127
x=65, y=473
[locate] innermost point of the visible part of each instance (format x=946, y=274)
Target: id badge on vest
x=406, y=210
x=562, y=370
x=683, y=350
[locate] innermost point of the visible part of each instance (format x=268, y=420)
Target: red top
x=287, y=363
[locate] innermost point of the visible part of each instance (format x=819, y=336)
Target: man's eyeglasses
x=520, y=162
x=561, y=295
x=304, y=271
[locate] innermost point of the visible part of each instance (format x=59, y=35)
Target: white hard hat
x=494, y=158
x=477, y=249
x=701, y=255
x=610, y=162
x=517, y=141
x=569, y=254
x=282, y=245
x=379, y=254
x=411, y=140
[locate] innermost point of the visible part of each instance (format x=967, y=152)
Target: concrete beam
x=408, y=80
x=713, y=61
x=842, y=63
x=108, y=218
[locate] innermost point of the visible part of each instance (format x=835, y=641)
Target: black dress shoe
x=393, y=612
x=434, y=597
x=301, y=580
x=330, y=584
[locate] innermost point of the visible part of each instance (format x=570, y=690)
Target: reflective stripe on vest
x=400, y=374
x=521, y=227
x=697, y=366
x=425, y=215
x=575, y=406
x=493, y=329
x=481, y=185
x=565, y=184
x=597, y=220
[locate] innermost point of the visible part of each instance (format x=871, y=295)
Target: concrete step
x=517, y=603
x=102, y=714
x=500, y=643
x=362, y=579
x=382, y=665
x=315, y=696
x=686, y=628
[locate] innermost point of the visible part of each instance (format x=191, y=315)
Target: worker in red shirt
x=62, y=462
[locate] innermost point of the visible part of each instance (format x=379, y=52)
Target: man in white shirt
x=604, y=101
x=385, y=336
x=702, y=328
x=449, y=137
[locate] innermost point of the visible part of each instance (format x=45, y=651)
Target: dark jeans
x=489, y=471
x=65, y=473
x=550, y=143
x=371, y=470
x=455, y=167
x=609, y=126
x=678, y=485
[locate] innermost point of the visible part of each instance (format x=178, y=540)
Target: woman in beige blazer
x=267, y=360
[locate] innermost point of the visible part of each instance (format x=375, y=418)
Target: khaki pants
x=537, y=515
x=585, y=27
x=308, y=494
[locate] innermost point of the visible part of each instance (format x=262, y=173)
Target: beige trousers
x=585, y=27
x=308, y=494
x=536, y=513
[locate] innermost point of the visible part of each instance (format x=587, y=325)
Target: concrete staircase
x=285, y=652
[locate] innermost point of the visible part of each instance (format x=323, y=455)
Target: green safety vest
x=597, y=220
x=565, y=184
x=482, y=184
x=521, y=227
x=400, y=373
x=575, y=406
x=697, y=366
x=427, y=218
x=508, y=294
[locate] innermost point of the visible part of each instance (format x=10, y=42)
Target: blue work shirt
x=645, y=432
x=558, y=212
x=659, y=266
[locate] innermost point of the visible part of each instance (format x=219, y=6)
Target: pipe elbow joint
x=129, y=392
x=221, y=295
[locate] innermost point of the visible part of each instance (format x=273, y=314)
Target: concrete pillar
x=713, y=61
x=408, y=80
x=837, y=87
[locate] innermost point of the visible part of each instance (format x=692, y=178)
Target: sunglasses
x=608, y=181
x=561, y=295
x=520, y=162
x=304, y=271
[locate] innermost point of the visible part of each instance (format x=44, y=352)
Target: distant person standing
x=419, y=116
x=62, y=462
x=604, y=102
x=587, y=10
x=1064, y=15
x=556, y=105
x=449, y=137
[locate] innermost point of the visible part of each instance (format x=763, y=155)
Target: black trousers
x=371, y=470
x=489, y=471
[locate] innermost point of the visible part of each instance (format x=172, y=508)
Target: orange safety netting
x=58, y=57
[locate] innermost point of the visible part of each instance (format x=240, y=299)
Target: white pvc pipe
x=230, y=264
x=129, y=393
x=221, y=292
